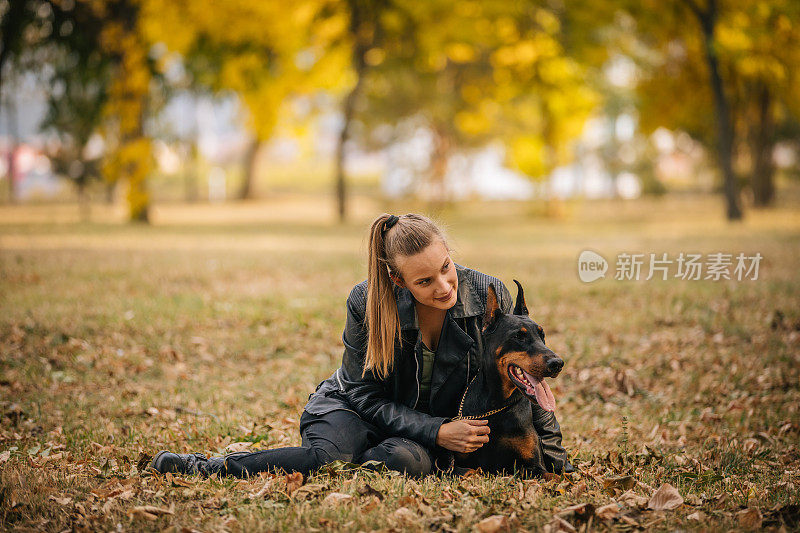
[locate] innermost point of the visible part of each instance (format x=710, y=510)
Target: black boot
x=188, y=463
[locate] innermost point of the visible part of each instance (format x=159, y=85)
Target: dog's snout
x=555, y=365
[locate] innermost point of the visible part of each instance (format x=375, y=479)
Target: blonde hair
x=410, y=235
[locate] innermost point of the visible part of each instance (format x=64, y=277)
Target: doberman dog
x=514, y=364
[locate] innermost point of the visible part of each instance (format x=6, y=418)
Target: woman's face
x=430, y=276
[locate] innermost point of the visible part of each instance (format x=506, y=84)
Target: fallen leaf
x=665, y=498
x=371, y=504
x=631, y=499
x=404, y=515
x=607, y=512
x=61, y=501
x=306, y=492
x=235, y=447
x=5, y=456
x=369, y=490
x=559, y=524
x=293, y=482
x=152, y=509
x=265, y=488
x=619, y=482
x=697, y=515
x=493, y=524
x=749, y=518
x=581, y=511
x=336, y=498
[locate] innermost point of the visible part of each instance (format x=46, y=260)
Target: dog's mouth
x=532, y=387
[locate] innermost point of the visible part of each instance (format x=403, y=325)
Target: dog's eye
x=521, y=335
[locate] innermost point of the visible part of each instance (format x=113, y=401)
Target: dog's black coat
x=513, y=443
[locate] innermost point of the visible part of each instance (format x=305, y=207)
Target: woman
x=411, y=344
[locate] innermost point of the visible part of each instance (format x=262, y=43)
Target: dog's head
x=516, y=344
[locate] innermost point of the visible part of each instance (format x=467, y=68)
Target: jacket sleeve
x=368, y=395
x=549, y=432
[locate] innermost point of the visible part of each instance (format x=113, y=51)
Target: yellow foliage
x=460, y=52
x=527, y=153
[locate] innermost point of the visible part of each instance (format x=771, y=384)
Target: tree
x=266, y=52
x=475, y=72
x=735, y=61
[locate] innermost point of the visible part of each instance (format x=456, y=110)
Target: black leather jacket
x=389, y=403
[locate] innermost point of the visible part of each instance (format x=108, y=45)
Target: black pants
x=337, y=435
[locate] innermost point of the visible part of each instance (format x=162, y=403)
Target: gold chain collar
x=460, y=416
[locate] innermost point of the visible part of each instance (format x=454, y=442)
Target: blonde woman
x=411, y=344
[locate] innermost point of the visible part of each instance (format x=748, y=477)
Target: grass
x=212, y=327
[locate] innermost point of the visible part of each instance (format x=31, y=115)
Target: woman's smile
x=447, y=296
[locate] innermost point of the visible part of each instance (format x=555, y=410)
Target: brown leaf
x=235, y=447
x=665, y=498
x=631, y=499
x=559, y=524
x=493, y=524
x=61, y=501
x=337, y=498
x=369, y=490
x=619, y=482
x=607, y=512
x=405, y=515
x=152, y=509
x=269, y=484
x=306, y=492
x=293, y=482
x=697, y=515
x=578, y=489
x=371, y=504
x=5, y=456
x=581, y=512
x=749, y=518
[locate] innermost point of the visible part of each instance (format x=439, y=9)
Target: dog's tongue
x=543, y=395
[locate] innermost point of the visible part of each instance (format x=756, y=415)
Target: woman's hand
x=463, y=436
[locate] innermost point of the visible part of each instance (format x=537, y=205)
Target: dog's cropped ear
x=520, y=308
x=493, y=310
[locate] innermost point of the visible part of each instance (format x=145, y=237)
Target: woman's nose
x=444, y=287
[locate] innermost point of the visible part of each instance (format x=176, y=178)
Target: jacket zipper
x=416, y=374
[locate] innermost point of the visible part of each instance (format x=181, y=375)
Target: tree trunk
x=84, y=207
x=708, y=20
x=250, y=160
x=761, y=148
x=13, y=133
x=362, y=41
x=190, y=194
x=440, y=157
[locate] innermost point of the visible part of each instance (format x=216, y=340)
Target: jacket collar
x=467, y=301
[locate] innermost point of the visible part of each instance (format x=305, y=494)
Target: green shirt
x=425, y=383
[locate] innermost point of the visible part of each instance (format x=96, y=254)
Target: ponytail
x=383, y=323
x=390, y=236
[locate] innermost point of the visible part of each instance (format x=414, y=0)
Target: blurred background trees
x=528, y=99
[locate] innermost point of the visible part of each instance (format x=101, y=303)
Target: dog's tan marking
x=523, y=329
x=523, y=446
x=497, y=351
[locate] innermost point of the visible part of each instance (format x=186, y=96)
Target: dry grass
x=212, y=327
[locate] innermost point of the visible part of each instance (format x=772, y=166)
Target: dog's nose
x=555, y=365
